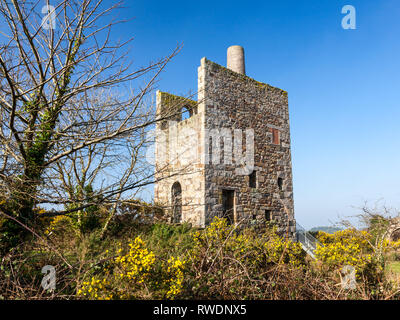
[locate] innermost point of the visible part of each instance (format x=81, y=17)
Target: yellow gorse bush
x=136, y=273
x=56, y=222
x=224, y=260
x=137, y=263
x=248, y=247
x=95, y=289
x=176, y=276
x=393, y=244
x=346, y=247
x=280, y=251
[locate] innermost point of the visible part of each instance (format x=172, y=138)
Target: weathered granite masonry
x=228, y=101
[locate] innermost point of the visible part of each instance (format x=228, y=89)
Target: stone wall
x=176, y=160
x=235, y=101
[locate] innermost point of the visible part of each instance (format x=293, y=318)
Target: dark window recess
x=164, y=125
x=176, y=193
x=280, y=184
x=228, y=198
x=267, y=215
x=253, y=179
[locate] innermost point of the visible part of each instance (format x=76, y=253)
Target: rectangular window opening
x=253, y=179
x=267, y=215
x=228, y=204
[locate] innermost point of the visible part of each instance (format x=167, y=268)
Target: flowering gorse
x=95, y=289
x=224, y=260
x=267, y=247
x=175, y=276
x=346, y=247
x=136, y=273
x=137, y=263
x=283, y=251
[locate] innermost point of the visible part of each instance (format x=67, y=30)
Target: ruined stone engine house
x=228, y=153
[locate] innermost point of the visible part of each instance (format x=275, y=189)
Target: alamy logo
x=49, y=280
x=49, y=20
x=349, y=20
x=349, y=277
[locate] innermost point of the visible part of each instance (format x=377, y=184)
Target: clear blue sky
x=343, y=85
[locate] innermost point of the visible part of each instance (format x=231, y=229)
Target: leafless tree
x=74, y=111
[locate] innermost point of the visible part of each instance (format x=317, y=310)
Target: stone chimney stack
x=235, y=59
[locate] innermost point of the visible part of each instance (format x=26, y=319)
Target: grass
x=393, y=271
x=394, y=267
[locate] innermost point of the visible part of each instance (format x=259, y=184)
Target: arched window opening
x=186, y=113
x=395, y=236
x=176, y=192
x=164, y=125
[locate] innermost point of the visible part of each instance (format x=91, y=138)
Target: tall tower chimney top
x=235, y=59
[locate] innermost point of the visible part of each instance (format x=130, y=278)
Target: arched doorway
x=176, y=197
